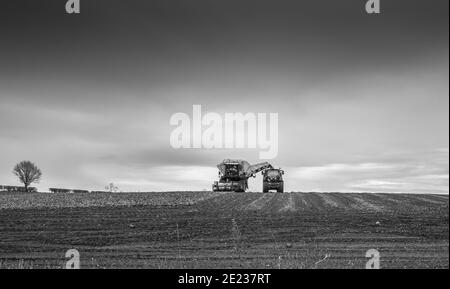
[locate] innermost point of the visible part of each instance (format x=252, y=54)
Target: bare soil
x=195, y=230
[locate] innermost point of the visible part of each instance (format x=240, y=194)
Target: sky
x=362, y=100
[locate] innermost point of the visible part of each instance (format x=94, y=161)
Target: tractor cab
x=231, y=171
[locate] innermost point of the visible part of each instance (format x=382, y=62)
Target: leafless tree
x=112, y=188
x=28, y=173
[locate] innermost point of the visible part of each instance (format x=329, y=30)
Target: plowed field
x=224, y=230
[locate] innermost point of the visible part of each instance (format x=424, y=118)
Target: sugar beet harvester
x=234, y=174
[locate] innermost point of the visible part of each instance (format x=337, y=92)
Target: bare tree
x=111, y=188
x=28, y=173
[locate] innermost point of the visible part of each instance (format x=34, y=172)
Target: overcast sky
x=363, y=100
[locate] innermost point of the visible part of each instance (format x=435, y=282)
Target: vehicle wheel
x=265, y=189
x=280, y=188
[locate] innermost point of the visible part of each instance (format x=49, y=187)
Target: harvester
x=234, y=174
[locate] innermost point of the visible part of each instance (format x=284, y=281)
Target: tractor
x=273, y=180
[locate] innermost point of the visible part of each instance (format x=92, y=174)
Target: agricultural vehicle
x=234, y=174
x=273, y=180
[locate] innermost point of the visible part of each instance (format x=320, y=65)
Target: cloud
x=362, y=101
x=426, y=173
x=157, y=178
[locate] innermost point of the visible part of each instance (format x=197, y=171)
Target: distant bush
x=16, y=189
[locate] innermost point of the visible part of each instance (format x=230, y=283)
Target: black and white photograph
x=249, y=135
